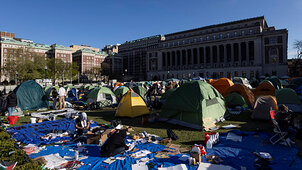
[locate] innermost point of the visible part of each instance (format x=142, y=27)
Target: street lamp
x=45, y=74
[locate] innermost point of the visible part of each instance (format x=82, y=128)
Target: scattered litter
x=140, y=154
x=184, y=157
x=54, y=160
x=31, y=148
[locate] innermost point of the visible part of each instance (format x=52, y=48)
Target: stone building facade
x=247, y=48
x=134, y=54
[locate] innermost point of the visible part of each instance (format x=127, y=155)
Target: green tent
x=31, y=96
x=95, y=93
x=275, y=81
x=287, y=96
x=121, y=90
x=234, y=99
x=195, y=104
x=140, y=91
x=167, y=93
x=48, y=91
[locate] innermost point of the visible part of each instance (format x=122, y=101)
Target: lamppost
x=45, y=74
x=16, y=78
x=168, y=75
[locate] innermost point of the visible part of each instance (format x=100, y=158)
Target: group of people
x=60, y=94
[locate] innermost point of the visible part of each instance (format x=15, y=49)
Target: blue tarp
x=235, y=154
x=31, y=133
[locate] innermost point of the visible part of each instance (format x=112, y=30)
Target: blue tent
x=198, y=78
x=72, y=95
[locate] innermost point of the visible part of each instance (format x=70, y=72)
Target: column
x=248, y=54
x=239, y=53
x=198, y=58
x=204, y=57
x=211, y=56
x=180, y=57
x=232, y=54
x=218, y=55
x=225, y=55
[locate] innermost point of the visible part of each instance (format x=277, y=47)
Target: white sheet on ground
x=139, y=167
x=230, y=126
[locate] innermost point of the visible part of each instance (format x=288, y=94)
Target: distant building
x=60, y=52
x=111, y=48
x=134, y=54
x=87, y=59
x=75, y=48
x=247, y=48
x=294, y=67
x=9, y=45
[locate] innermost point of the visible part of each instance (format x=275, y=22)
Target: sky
x=99, y=22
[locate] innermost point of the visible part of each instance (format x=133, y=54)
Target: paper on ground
x=54, y=160
x=176, y=167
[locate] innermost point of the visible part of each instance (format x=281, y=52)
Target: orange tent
x=118, y=84
x=265, y=88
x=244, y=91
x=222, y=84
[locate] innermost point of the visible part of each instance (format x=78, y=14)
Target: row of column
x=209, y=55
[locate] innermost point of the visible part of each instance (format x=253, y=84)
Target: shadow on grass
x=109, y=115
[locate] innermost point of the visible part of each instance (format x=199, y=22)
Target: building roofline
x=218, y=25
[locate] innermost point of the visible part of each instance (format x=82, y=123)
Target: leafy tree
x=96, y=72
x=298, y=47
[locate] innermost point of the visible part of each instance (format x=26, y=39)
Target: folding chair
x=279, y=135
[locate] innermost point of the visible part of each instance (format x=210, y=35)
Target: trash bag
x=171, y=134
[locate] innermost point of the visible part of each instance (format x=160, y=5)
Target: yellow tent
x=131, y=105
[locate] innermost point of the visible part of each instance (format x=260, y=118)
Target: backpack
x=171, y=134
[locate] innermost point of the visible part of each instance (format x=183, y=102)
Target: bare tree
x=298, y=47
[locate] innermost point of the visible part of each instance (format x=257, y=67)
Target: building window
x=195, y=40
x=178, y=43
x=273, y=40
x=183, y=41
x=207, y=38
x=189, y=41
x=173, y=44
x=228, y=35
x=214, y=37
x=5, y=50
x=200, y=38
x=220, y=36
x=251, y=32
x=168, y=44
x=235, y=34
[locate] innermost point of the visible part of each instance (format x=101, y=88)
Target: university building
x=247, y=48
x=87, y=59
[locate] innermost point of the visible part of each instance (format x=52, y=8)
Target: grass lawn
x=187, y=137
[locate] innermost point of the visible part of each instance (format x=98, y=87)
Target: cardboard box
x=96, y=139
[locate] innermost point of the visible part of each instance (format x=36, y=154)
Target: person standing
x=62, y=93
x=54, y=98
x=11, y=102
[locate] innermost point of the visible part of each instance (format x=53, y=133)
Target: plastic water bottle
x=209, y=144
x=76, y=154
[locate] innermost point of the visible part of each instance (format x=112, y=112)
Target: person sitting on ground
x=115, y=144
x=285, y=118
x=82, y=124
x=11, y=102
